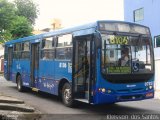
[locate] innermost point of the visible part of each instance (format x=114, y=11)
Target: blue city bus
x=96, y=63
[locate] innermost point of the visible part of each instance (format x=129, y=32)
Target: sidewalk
x=157, y=94
x=1, y=73
x=15, y=109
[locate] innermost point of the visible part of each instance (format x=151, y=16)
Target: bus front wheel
x=19, y=84
x=67, y=95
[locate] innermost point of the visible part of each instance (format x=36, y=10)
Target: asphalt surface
x=51, y=106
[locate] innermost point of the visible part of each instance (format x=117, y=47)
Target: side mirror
x=98, y=39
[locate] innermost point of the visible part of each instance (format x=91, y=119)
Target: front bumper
x=102, y=98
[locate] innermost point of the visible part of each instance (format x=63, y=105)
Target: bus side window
x=64, y=47
x=47, y=49
x=64, y=40
x=64, y=53
x=60, y=53
x=25, y=50
x=68, y=53
x=47, y=54
x=17, y=51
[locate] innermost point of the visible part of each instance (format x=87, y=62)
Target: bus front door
x=9, y=63
x=34, y=64
x=81, y=86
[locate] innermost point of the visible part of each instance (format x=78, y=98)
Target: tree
x=5, y=36
x=28, y=9
x=20, y=27
x=16, y=19
x=7, y=13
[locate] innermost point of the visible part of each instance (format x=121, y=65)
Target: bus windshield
x=126, y=54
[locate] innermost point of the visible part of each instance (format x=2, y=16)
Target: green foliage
x=28, y=9
x=20, y=27
x=7, y=13
x=5, y=36
x=16, y=19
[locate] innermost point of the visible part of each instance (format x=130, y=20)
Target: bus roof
x=67, y=31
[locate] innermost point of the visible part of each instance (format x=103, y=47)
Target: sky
x=74, y=12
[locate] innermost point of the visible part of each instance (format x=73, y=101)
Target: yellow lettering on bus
x=112, y=40
x=125, y=41
x=118, y=40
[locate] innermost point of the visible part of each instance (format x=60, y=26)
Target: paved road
x=49, y=104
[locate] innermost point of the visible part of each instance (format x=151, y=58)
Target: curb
x=13, y=104
x=16, y=107
x=7, y=99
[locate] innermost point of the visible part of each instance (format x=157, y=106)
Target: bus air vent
x=137, y=90
x=123, y=91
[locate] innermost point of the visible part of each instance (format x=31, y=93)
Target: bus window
x=47, y=54
x=25, y=50
x=48, y=50
x=68, y=53
x=64, y=47
x=65, y=40
x=17, y=51
x=64, y=53
x=47, y=43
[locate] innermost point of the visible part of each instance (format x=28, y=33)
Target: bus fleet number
x=62, y=65
x=118, y=40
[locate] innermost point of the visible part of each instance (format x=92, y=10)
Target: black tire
x=67, y=95
x=19, y=84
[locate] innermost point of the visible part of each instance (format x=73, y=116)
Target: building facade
x=54, y=25
x=146, y=12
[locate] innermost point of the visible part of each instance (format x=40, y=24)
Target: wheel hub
x=67, y=94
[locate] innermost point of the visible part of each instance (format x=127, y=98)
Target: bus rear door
x=9, y=63
x=34, y=64
x=82, y=68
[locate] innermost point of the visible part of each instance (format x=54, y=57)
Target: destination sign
x=119, y=69
x=122, y=40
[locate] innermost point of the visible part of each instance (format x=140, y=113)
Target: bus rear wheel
x=67, y=95
x=19, y=84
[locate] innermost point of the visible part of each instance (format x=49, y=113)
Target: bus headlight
x=103, y=90
x=150, y=87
